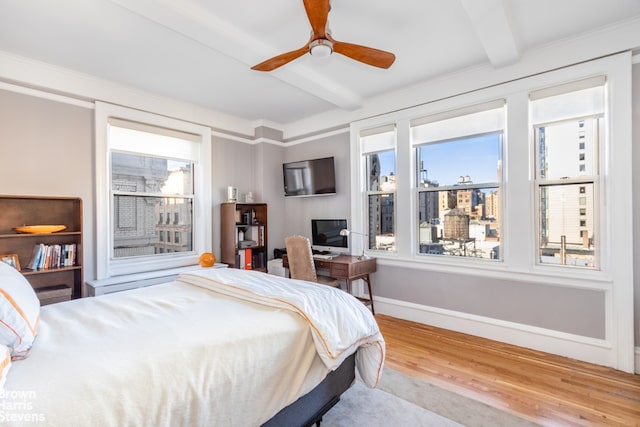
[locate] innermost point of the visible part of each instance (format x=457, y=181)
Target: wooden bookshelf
x=250, y=219
x=52, y=284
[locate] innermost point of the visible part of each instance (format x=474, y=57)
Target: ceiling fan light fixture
x=321, y=44
x=321, y=48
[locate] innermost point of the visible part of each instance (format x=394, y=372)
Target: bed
x=213, y=347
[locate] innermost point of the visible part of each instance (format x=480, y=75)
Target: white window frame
x=615, y=275
x=369, y=145
x=469, y=121
x=575, y=107
x=107, y=265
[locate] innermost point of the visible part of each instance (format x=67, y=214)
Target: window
x=378, y=149
x=139, y=186
x=568, y=189
x=458, y=176
x=518, y=163
x=155, y=169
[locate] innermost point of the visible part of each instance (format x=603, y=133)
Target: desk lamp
x=345, y=232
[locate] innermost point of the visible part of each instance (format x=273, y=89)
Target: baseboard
x=637, y=360
x=569, y=345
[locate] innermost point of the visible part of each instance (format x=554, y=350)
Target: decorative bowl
x=39, y=229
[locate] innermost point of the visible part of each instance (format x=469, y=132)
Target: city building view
x=463, y=222
x=152, y=204
x=459, y=215
x=567, y=226
x=456, y=216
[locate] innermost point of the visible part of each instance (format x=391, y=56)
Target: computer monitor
x=325, y=236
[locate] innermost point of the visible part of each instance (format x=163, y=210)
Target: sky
x=445, y=162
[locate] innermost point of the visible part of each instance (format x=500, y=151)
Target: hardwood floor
x=544, y=388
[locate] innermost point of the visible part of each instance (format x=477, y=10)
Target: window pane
x=136, y=231
x=462, y=222
x=567, y=229
x=382, y=234
x=381, y=170
x=559, y=143
x=146, y=174
x=460, y=161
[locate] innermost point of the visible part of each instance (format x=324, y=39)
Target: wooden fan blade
x=317, y=12
x=367, y=55
x=278, y=61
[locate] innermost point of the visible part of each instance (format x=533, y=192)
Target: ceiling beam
x=196, y=23
x=492, y=25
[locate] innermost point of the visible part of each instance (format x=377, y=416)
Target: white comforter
x=339, y=322
x=171, y=355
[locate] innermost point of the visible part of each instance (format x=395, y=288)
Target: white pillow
x=5, y=364
x=19, y=312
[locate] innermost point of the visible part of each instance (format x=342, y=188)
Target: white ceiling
x=201, y=51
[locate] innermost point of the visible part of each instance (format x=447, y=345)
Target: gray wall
x=232, y=165
x=298, y=211
x=255, y=168
x=576, y=311
x=47, y=149
x=258, y=168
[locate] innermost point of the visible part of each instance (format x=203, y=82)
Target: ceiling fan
x=322, y=44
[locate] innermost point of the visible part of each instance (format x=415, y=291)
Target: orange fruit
x=207, y=259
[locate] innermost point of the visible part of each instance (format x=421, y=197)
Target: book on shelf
x=35, y=258
x=247, y=259
x=52, y=256
x=240, y=259
x=258, y=261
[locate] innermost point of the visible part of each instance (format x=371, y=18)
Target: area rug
x=400, y=400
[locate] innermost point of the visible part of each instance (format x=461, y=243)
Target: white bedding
x=167, y=355
x=340, y=323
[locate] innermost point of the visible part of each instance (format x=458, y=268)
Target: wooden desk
x=346, y=267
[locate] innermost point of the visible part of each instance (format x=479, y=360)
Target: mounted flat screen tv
x=309, y=178
x=325, y=235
